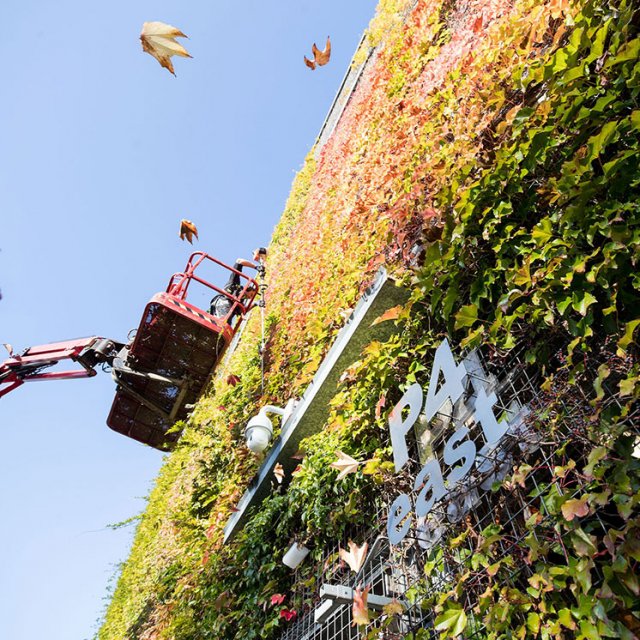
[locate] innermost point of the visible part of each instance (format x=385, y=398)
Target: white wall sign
x=469, y=389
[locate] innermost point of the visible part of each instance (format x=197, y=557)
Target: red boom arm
x=29, y=365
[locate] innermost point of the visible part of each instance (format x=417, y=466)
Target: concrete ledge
x=311, y=412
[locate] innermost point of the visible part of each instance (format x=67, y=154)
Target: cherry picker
x=163, y=369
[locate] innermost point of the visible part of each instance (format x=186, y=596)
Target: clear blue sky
x=102, y=153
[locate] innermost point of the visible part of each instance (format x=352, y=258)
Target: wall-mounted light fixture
x=296, y=554
x=259, y=430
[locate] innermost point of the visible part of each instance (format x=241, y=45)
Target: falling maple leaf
x=355, y=556
x=360, y=613
x=159, y=40
x=187, y=230
x=345, y=464
x=278, y=472
x=320, y=58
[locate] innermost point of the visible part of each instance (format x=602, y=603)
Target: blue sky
x=103, y=152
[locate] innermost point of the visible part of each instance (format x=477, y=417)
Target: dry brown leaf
x=278, y=472
x=355, y=556
x=159, y=40
x=320, y=58
x=360, y=613
x=187, y=230
x=345, y=464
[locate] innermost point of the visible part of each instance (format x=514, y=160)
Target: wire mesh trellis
x=422, y=566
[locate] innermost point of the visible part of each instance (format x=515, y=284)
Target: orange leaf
x=389, y=314
x=360, y=613
x=187, y=230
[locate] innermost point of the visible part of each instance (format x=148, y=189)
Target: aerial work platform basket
x=175, y=349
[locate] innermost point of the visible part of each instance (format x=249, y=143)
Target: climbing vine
x=489, y=158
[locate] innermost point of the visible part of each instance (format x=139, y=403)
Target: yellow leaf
x=394, y=608
x=159, y=40
x=575, y=508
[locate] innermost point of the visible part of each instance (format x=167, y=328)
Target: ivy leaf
x=628, y=385
x=595, y=456
x=278, y=472
x=627, y=338
x=573, y=508
x=381, y=404
x=288, y=614
x=467, y=316
x=581, y=304
x=394, y=608
x=356, y=555
x=451, y=622
x=345, y=464
x=360, y=613
x=389, y=314
x=542, y=232
x=277, y=598
x=583, y=543
x=565, y=619
x=533, y=622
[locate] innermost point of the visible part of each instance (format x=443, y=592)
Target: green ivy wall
x=501, y=138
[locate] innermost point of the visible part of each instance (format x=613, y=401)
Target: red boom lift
x=162, y=370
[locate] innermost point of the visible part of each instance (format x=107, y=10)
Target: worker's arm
x=246, y=263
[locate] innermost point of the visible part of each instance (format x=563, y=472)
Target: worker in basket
x=221, y=303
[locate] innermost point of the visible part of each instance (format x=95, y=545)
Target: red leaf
x=277, y=598
x=288, y=614
x=233, y=380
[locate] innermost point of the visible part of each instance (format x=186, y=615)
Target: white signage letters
x=460, y=453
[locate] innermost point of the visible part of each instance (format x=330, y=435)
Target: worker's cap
x=260, y=252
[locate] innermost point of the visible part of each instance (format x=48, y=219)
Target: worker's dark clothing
x=220, y=303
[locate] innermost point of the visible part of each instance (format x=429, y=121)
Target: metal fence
x=421, y=566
